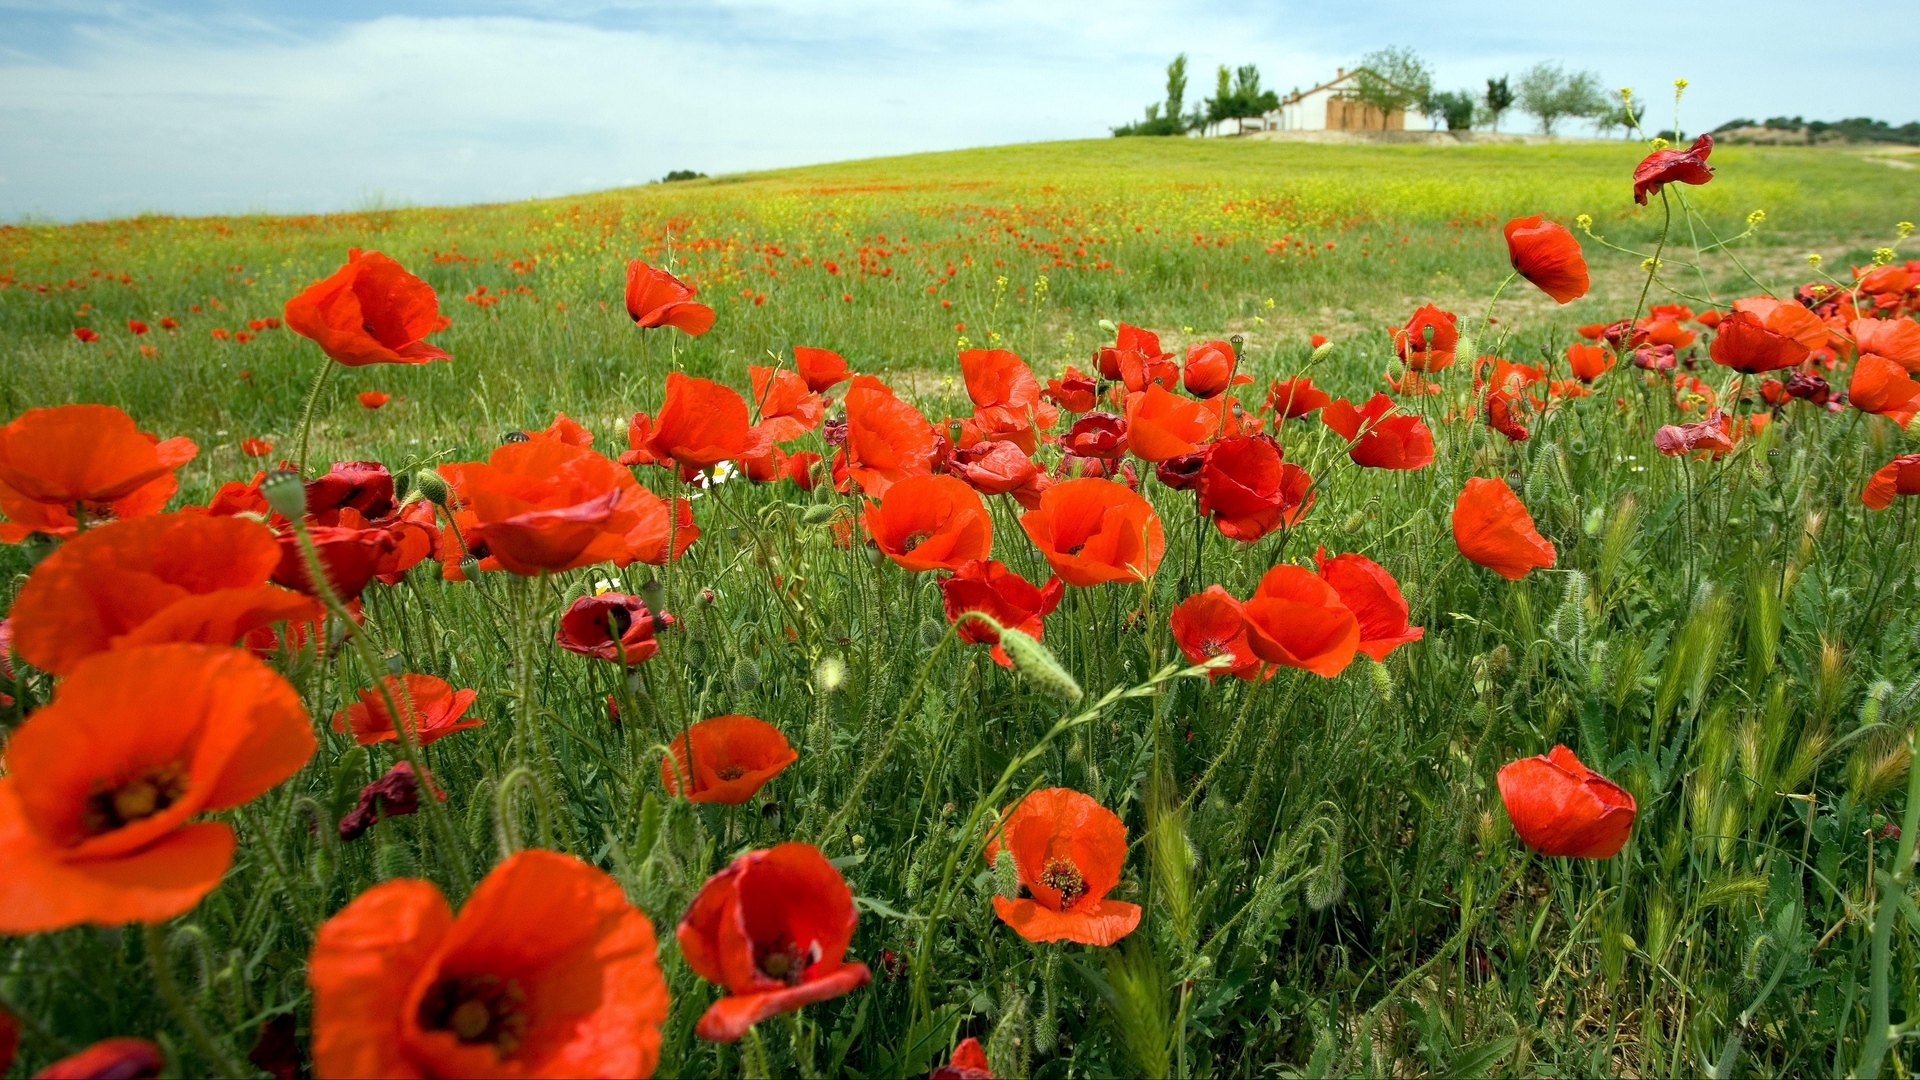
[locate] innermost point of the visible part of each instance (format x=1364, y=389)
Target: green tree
x=1170, y=121
x=1392, y=79
x=1551, y=94
x=1624, y=114
x=1455, y=106
x=1237, y=96
x=1497, y=100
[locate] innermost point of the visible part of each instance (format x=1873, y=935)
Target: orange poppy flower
x=546, y=971
x=567, y=430
x=929, y=523
x=1092, y=530
x=1011, y=600
x=1787, y=317
x=610, y=626
x=1381, y=438
x=1213, y=623
x=773, y=928
x=433, y=707
x=27, y=516
x=370, y=311
x=1074, y=391
x=1135, y=358
x=657, y=298
x=1428, y=340
x=969, y=1062
x=132, y=1059
x=1162, y=425
x=1560, y=807
x=1210, y=369
x=1067, y=851
x=1901, y=476
x=255, y=447
x=732, y=757
x=543, y=505
x=169, y=577
x=1883, y=387
x=91, y=454
x=1669, y=166
x=701, y=423
x=102, y=783
x=1374, y=598
x=1663, y=332
x=1896, y=339
x=1745, y=343
x=1491, y=527
x=788, y=409
x=1709, y=319
x=1545, y=253
x=1589, y=362
x=1295, y=397
x=1006, y=397
x=1249, y=491
x=887, y=438
x=373, y=399
x=992, y=468
x=822, y=368
x=1500, y=415
x=1298, y=620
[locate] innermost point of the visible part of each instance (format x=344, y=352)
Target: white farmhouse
x=1329, y=107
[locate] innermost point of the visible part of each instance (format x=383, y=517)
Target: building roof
x=1343, y=76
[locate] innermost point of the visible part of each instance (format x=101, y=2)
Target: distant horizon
x=112, y=109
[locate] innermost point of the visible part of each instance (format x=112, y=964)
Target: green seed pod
x=696, y=653
x=1320, y=351
x=818, y=514
x=402, y=486
x=931, y=631
x=470, y=568
x=394, y=860
x=286, y=493
x=1038, y=664
x=746, y=675
x=1466, y=344
x=432, y=487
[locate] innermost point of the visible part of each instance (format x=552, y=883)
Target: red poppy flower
x=929, y=523
x=887, y=438
x=1709, y=319
x=351, y=556
x=1073, y=391
x=1712, y=436
x=373, y=399
x=1135, y=359
x=546, y=971
x=1671, y=166
x=1010, y=599
x=1093, y=530
x=969, y=1062
x=1882, y=386
x=1491, y=527
x=1183, y=473
x=1290, y=398
x=657, y=298
x=370, y=311
x=122, y=1059
x=1545, y=253
x=701, y=423
x=1500, y=416
x=395, y=794
x=1428, y=340
x=1067, y=851
x=86, y=334
x=1210, y=369
x=611, y=626
x=992, y=468
x=27, y=516
x=89, y=454
x=1006, y=397
x=1213, y=623
x=822, y=368
x=102, y=783
x=1161, y=425
x=1374, y=598
x=788, y=409
x=1896, y=339
x=1249, y=491
x=1787, y=317
x=252, y=447
x=1381, y=438
x=1901, y=476
x=433, y=707
x=565, y=429
x=732, y=757
x=1298, y=620
x=772, y=928
x=1096, y=435
x=543, y=505
x=1561, y=807
x=169, y=577
x=1744, y=343
x=1589, y=362
x=799, y=468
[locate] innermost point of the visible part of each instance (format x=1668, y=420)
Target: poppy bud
x=394, y=860
x=830, y=674
x=746, y=675
x=1040, y=666
x=696, y=654
x=818, y=514
x=432, y=487
x=402, y=485
x=395, y=663
x=286, y=493
x=1322, y=349
x=931, y=631
x=38, y=546
x=1006, y=875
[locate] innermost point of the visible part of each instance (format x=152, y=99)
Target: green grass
x=1733, y=641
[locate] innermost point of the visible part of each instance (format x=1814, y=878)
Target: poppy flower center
x=141, y=797
x=1064, y=878
x=730, y=772
x=786, y=961
x=477, y=1009
x=619, y=619
x=914, y=540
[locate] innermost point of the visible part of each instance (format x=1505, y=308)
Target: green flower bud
x=286, y=493
x=432, y=487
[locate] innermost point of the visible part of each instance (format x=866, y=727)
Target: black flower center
x=1064, y=878
x=141, y=797
x=786, y=961
x=477, y=1009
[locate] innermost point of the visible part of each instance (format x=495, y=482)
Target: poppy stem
x=158, y=959
x=307, y=410
x=1893, y=894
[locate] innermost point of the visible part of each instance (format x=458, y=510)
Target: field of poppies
x=1138, y=608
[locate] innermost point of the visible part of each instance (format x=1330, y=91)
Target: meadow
x=1327, y=878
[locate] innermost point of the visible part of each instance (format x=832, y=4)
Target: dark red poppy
x=1492, y=528
x=1211, y=368
x=822, y=368
x=365, y=486
x=930, y=523
x=1374, y=598
x=350, y=556
x=992, y=468
x=1073, y=391
x=1298, y=620
x=772, y=928
x=1588, y=362
x=1712, y=436
x=1655, y=358
x=1067, y=853
x=1249, y=491
x=1091, y=531
x=611, y=626
x=1096, y=435
x=86, y=334
x=1161, y=425
x=1672, y=166
x=370, y=311
x=1428, y=340
x=1295, y=397
x=108, y=1059
x=1213, y=623
x=969, y=1062
x=887, y=438
x=432, y=707
x=1380, y=437
x=733, y=757
x=1901, y=476
x=1545, y=253
x=1183, y=473
x=395, y=794
x=1010, y=599
x=657, y=298
x=1883, y=387
x=1560, y=807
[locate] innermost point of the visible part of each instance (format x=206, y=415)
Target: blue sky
x=111, y=108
